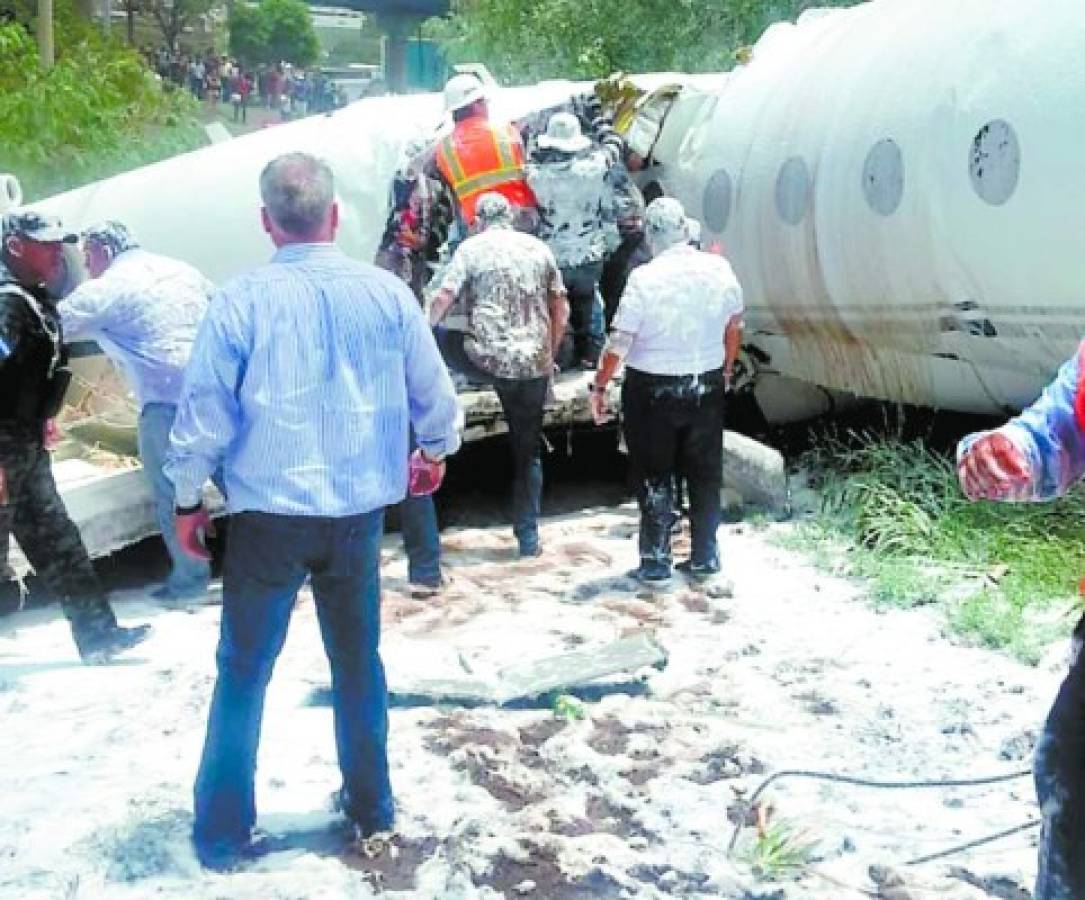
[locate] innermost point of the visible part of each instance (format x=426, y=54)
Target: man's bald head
x=299, y=200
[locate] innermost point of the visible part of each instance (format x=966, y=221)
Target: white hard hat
x=462, y=91
x=563, y=133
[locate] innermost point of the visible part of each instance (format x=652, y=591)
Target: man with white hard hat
x=479, y=156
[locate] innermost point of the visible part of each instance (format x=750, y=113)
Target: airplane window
x=717, y=201
x=994, y=162
x=793, y=190
x=883, y=177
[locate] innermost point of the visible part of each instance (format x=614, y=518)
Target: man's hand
x=193, y=527
x=424, y=474
x=994, y=468
x=600, y=410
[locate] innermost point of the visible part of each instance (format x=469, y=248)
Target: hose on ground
x=891, y=785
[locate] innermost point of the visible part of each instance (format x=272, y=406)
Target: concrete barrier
x=754, y=475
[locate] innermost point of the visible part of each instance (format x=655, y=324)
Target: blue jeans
x=187, y=575
x=522, y=401
x=267, y=560
x=421, y=540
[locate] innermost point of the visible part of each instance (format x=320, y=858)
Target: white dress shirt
x=676, y=307
x=143, y=311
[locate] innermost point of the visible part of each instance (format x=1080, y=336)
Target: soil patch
x=541, y=876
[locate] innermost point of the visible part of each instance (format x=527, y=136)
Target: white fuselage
x=898, y=185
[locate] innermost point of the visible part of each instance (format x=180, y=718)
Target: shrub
x=97, y=112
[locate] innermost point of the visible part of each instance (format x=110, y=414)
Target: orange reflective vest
x=478, y=157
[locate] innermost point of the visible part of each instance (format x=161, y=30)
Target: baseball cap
x=493, y=208
x=112, y=234
x=665, y=214
x=36, y=226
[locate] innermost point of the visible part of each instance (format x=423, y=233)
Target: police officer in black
x=33, y=378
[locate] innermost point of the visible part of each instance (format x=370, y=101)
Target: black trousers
x=48, y=537
x=674, y=427
x=1059, y=773
x=522, y=401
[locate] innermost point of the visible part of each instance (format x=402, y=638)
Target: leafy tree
x=248, y=29
x=274, y=31
x=97, y=112
x=526, y=40
x=291, y=36
x=174, y=16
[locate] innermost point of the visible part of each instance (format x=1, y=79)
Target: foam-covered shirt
x=576, y=206
x=676, y=307
x=1050, y=433
x=507, y=280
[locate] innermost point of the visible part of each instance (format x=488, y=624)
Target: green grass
x=892, y=513
x=780, y=852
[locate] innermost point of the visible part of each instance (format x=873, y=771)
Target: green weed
x=568, y=707
x=780, y=852
x=892, y=512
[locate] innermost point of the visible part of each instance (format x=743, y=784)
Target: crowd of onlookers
x=213, y=78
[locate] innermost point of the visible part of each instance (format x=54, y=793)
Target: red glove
x=193, y=528
x=50, y=434
x=424, y=475
x=994, y=468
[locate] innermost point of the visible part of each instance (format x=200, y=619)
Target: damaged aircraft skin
x=897, y=185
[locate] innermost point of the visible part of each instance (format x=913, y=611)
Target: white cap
x=665, y=224
x=563, y=133
x=462, y=91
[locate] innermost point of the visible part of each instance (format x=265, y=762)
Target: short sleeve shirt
x=677, y=307
x=506, y=280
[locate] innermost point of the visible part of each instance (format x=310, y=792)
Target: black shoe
x=103, y=646
x=426, y=589
x=228, y=856
x=364, y=828
x=651, y=572
x=698, y=570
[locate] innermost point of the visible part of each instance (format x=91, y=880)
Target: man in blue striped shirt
x=305, y=379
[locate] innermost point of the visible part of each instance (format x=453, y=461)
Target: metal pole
x=45, y=33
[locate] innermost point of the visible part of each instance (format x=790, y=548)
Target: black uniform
x=32, y=379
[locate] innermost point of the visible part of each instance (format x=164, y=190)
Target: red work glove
x=994, y=468
x=597, y=402
x=424, y=475
x=50, y=434
x=193, y=527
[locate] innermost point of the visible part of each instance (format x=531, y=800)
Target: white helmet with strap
x=461, y=91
